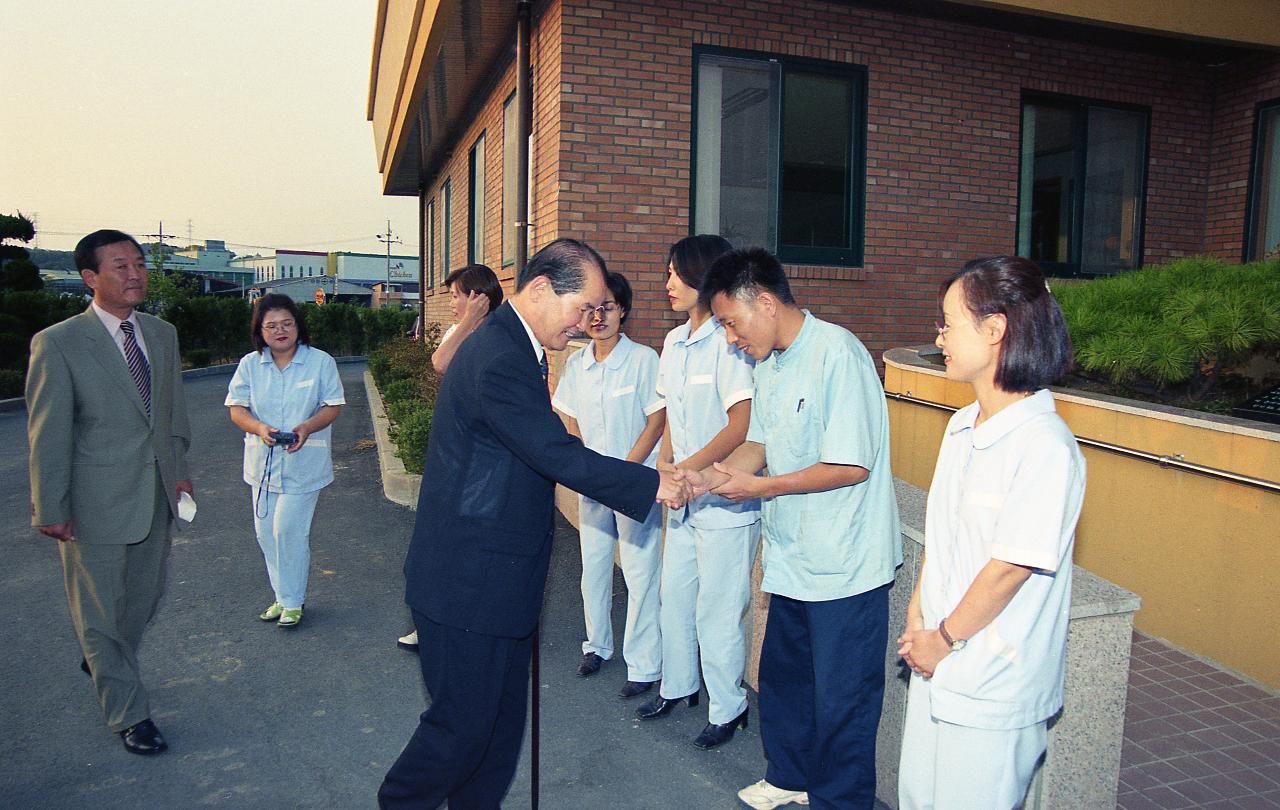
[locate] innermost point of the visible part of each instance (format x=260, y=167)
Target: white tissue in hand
x=186, y=507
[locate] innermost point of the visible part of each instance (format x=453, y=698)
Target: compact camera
x=284, y=438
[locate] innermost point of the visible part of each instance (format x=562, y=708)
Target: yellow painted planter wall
x=1204, y=554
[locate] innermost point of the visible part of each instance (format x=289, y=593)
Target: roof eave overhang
x=431, y=59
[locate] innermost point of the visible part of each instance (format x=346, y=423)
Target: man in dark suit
x=107, y=427
x=477, y=563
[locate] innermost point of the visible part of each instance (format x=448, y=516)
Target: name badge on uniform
x=618, y=392
x=701, y=379
x=305, y=384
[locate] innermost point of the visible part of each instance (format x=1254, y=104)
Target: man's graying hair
x=563, y=262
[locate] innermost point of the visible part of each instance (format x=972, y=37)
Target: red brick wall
x=1241, y=87
x=942, y=142
x=545, y=61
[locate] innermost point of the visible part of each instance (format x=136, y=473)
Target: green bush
x=379, y=367
x=1177, y=326
x=408, y=384
x=11, y=383
x=22, y=314
x=404, y=359
x=211, y=329
x=396, y=391
x=410, y=426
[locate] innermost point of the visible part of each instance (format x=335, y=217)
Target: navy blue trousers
x=467, y=743
x=821, y=690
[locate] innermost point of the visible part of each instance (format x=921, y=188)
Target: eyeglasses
x=606, y=308
x=943, y=328
x=279, y=326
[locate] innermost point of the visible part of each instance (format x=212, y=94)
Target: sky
x=233, y=120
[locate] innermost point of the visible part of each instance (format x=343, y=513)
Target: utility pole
x=158, y=253
x=388, y=239
x=189, y=239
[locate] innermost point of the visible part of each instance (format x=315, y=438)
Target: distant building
x=284, y=265
x=374, y=267
x=303, y=290
x=63, y=281
x=212, y=261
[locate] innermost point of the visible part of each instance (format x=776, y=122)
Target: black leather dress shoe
x=143, y=738
x=718, y=734
x=659, y=706
x=632, y=688
x=84, y=667
x=590, y=664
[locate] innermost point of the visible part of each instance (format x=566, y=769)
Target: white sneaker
x=409, y=642
x=764, y=796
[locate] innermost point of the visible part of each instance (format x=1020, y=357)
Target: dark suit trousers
x=112, y=591
x=467, y=743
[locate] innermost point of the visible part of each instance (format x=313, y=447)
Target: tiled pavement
x=1196, y=736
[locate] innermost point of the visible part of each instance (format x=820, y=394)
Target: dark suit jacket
x=482, y=537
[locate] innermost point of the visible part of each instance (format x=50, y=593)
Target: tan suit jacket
x=94, y=451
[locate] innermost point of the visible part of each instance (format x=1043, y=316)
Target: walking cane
x=534, y=723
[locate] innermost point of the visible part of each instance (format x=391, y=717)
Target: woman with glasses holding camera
x=608, y=397
x=284, y=396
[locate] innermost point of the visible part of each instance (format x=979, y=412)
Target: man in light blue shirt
x=831, y=534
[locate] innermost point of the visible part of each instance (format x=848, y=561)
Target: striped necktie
x=138, y=367
x=545, y=369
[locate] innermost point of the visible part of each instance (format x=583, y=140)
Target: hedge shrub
x=402, y=370
x=1178, y=327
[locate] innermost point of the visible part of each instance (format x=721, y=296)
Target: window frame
x=1255, y=169
x=1071, y=269
x=431, y=242
x=476, y=224
x=510, y=145
x=446, y=191
x=855, y=254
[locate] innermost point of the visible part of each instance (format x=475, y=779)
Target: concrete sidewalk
x=257, y=717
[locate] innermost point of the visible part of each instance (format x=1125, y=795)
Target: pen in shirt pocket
x=799, y=404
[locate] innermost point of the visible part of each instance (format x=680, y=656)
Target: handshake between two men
x=677, y=486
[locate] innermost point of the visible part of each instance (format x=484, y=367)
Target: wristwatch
x=955, y=644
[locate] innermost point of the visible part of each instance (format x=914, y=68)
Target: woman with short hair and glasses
x=284, y=396
x=608, y=396
x=986, y=629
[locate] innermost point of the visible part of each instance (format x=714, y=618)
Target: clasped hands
x=922, y=649
x=678, y=486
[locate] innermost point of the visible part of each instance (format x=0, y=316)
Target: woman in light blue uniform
x=285, y=387
x=710, y=544
x=608, y=396
x=986, y=631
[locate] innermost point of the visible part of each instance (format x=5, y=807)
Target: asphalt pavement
x=258, y=717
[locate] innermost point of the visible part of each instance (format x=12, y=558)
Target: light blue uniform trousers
x=283, y=524
x=639, y=548
x=706, y=588
x=944, y=766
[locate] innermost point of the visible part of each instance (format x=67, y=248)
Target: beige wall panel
x=1248, y=22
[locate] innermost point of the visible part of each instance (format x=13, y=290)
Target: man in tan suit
x=107, y=426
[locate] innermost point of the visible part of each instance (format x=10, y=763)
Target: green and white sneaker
x=272, y=613
x=290, y=617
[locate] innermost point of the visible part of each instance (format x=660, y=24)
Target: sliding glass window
x=1263, y=235
x=447, y=193
x=475, y=213
x=779, y=154
x=1082, y=186
x=430, y=242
